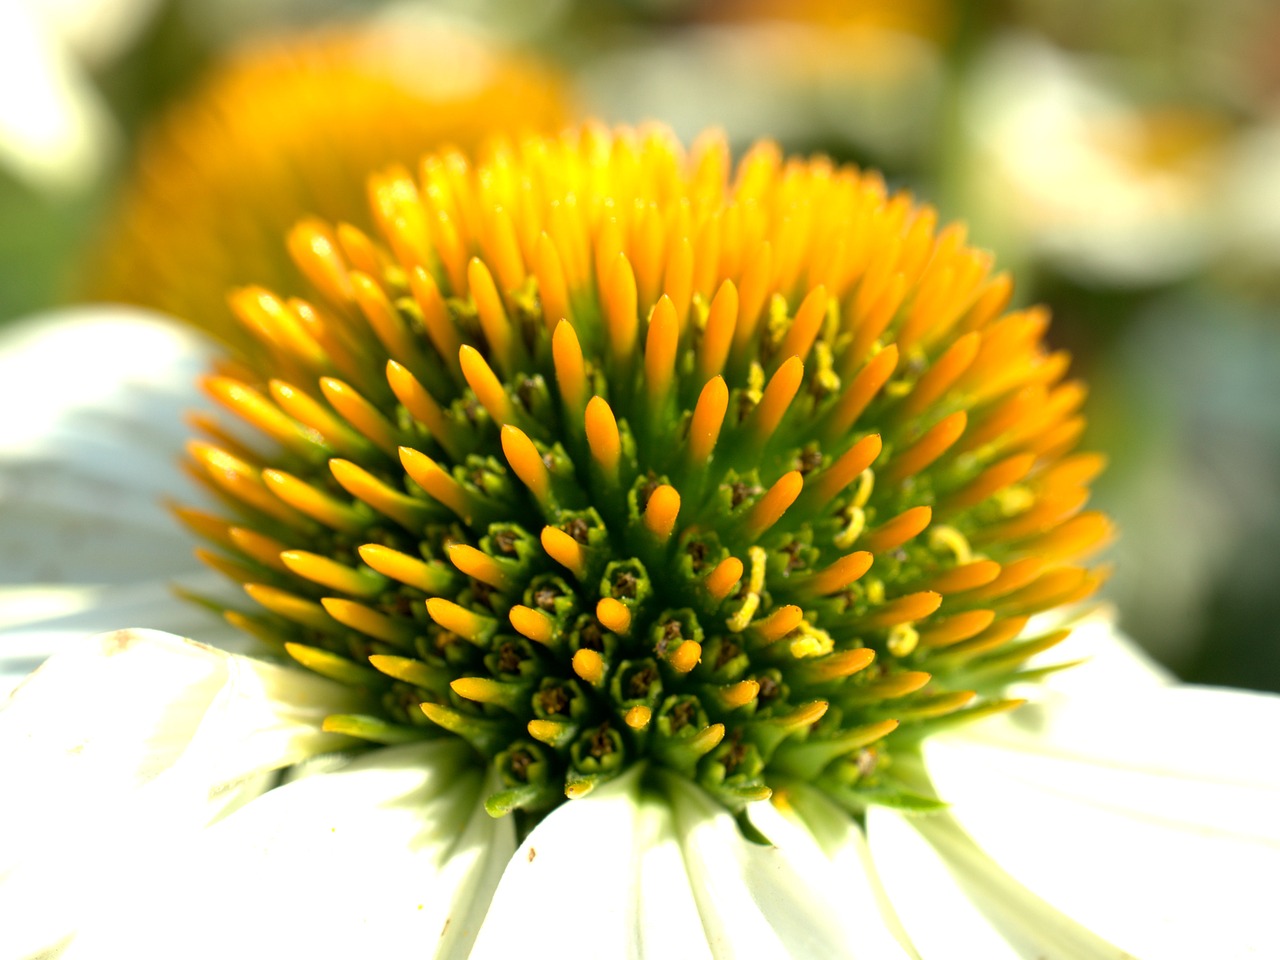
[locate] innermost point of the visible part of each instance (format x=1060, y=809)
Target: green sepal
x=636, y=532
x=511, y=696
x=808, y=758
x=1025, y=676
x=720, y=511
x=788, y=566
x=1012, y=655
x=487, y=734
x=534, y=798
x=423, y=674
x=680, y=745
x=767, y=733
x=883, y=792
x=671, y=628
x=550, y=590
x=896, y=798
x=744, y=784
x=578, y=784
x=588, y=633
x=915, y=732
x=700, y=552
x=373, y=729
x=750, y=832
x=208, y=603
x=273, y=632
x=334, y=666
x=565, y=732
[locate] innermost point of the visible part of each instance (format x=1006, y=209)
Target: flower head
x=600, y=452
x=288, y=127
x=155, y=784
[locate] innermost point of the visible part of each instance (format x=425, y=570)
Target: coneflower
x=602, y=471
x=600, y=452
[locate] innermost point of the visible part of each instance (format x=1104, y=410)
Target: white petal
x=84, y=470
x=605, y=870
x=36, y=622
x=1149, y=817
x=55, y=129
x=638, y=873
x=383, y=857
x=60, y=529
x=754, y=901
x=78, y=371
x=574, y=878
x=667, y=917
x=864, y=904
x=849, y=900
x=955, y=901
x=124, y=740
x=97, y=30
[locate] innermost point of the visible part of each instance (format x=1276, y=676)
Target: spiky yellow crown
x=604, y=452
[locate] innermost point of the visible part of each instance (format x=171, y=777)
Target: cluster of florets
x=603, y=452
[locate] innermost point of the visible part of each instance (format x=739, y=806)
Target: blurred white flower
x=1115, y=816
x=1064, y=167
x=876, y=88
x=56, y=132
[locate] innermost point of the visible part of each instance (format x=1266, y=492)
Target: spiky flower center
x=603, y=452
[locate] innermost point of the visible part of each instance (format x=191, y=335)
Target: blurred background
x=1122, y=157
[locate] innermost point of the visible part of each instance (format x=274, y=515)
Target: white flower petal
x=754, y=901
x=55, y=129
x=388, y=854
x=124, y=740
x=468, y=879
x=36, y=622
x=1140, y=815
x=574, y=877
x=667, y=916
x=954, y=900
x=605, y=870
x=84, y=470
x=638, y=873
x=1031, y=114
x=77, y=372
x=85, y=532
x=864, y=905
x=97, y=30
